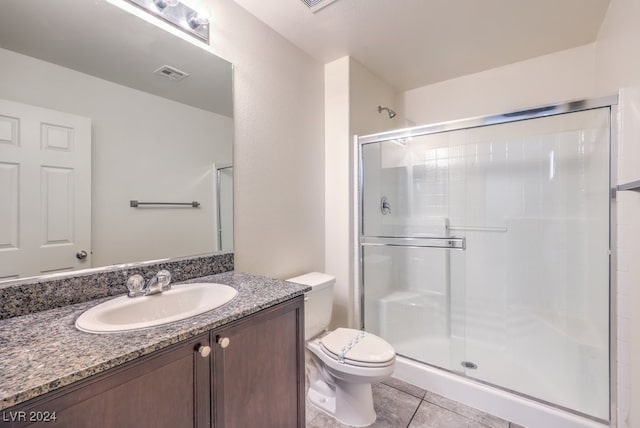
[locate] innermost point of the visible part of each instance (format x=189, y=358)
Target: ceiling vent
x=171, y=73
x=316, y=5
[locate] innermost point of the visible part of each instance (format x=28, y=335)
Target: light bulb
x=195, y=20
x=162, y=4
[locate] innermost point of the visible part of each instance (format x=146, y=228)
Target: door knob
x=204, y=350
x=81, y=255
x=223, y=341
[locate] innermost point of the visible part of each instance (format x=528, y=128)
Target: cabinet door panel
x=167, y=389
x=259, y=377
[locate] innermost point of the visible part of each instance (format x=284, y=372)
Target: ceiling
x=412, y=43
x=79, y=34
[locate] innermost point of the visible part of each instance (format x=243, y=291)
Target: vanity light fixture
x=178, y=14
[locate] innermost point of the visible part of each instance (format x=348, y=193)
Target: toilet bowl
x=343, y=387
x=342, y=364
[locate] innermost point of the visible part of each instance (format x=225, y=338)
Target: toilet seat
x=357, y=348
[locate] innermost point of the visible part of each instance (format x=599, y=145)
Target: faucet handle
x=136, y=285
x=164, y=279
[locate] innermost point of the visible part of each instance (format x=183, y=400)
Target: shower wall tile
x=623, y=364
x=628, y=292
x=623, y=328
x=624, y=305
x=628, y=147
x=623, y=256
x=624, y=395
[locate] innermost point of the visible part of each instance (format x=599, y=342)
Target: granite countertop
x=43, y=351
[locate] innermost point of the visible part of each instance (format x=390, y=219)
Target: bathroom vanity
x=240, y=365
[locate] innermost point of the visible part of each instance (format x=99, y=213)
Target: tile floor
x=399, y=404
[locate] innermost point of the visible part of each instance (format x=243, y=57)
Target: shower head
x=391, y=113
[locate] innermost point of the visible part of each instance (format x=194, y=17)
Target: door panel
x=166, y=389
x=9, y=179
x=410, y=302
x=537, y=319
x=258, y=369
x=45, y=174
x=413, y=285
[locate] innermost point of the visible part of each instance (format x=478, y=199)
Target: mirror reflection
x=89, y=122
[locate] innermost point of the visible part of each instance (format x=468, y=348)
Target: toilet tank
x=318, y=303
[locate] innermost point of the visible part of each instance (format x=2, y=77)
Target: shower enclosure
x=485, y=250
x=224, y=206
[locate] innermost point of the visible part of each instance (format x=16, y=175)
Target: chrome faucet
x=159, y=283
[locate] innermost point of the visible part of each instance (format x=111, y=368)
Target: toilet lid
x=357, y=347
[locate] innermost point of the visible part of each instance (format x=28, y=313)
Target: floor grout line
x=405, y=392
x=415, y=412
x=460, y=414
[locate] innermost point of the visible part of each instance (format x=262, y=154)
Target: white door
x=45, y=191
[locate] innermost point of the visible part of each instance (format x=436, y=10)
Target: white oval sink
x=182, y=301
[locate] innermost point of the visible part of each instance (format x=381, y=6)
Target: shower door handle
x=445, y=242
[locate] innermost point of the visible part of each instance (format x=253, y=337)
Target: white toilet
x=341, y=364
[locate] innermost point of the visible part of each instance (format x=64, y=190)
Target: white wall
x=278, y=146
x=561, y=76
x=338, y=229
x=139, y=152
x=618, y=66
x=352, y=97
x=366, y=92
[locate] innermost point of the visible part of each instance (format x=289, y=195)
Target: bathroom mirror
x=153, y=114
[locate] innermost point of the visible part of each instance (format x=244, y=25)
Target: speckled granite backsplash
x=26, y=297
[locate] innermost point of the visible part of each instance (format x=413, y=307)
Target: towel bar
x=135, y=204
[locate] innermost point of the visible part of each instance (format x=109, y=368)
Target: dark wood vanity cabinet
x=252, y=377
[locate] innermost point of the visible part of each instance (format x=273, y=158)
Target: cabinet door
x=169, y=388
x=258, y=376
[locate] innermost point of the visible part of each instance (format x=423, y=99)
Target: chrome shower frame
x=218, y=187
x=534, y=113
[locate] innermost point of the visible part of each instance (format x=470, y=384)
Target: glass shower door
x=411, y=258
x=224, y=203
x=485, y=251
x=537, y=259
